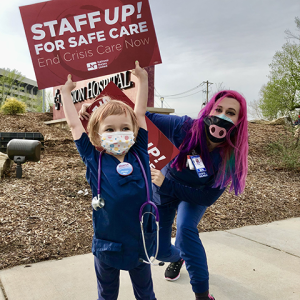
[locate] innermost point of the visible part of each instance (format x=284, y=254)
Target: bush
x=286, y=151
x=12, y=106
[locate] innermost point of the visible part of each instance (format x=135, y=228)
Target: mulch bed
x=45, y=216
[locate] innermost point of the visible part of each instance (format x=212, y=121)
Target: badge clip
x=199, y=166
x=189, y=163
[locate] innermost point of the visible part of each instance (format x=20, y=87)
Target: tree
x=271, y=103
x=218, y=88
x=279, y=95
x=33, y=104
x=10, y=83
x=254, y=110
x=49, y=99
x=290, y=35
x=213, y=89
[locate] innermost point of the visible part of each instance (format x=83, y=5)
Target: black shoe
x=172, y=272
x=204, y=296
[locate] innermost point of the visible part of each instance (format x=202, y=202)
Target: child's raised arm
x=70, y=110
x=142, y=95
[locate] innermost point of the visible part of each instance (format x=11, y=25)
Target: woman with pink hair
x=213, y=155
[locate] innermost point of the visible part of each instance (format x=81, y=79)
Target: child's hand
x=83, y=114
x=139, y=72
x=157, y=177
x=69, y=85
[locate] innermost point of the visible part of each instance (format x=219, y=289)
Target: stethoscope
x=99, y=202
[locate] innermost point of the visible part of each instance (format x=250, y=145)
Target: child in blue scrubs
x=117, y=243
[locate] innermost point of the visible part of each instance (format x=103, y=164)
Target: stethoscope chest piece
x=98, y=202
x=101, y=202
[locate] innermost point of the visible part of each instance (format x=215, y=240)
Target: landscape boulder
x=279, y=121
x=5, y=163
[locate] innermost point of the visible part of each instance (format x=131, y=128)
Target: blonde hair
x=113, y=107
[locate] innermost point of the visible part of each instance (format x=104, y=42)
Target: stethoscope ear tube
x=149, y=261
x=155, y=208
x=161, y=263
x=141, y=218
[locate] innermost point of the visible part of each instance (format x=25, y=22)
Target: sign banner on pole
x=89, y=38
x=161, y=150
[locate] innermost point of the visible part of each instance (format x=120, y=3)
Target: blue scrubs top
x=184, y=185
x=117, y=234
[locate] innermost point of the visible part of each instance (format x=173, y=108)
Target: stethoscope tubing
x=144, y=243
x=148, y=194
x=141, y=214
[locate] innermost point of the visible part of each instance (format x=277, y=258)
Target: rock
x=279, y=121
x=5, y=163
x=258, y=121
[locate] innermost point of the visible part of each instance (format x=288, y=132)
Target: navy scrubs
x=188, y=195
x=117, y=243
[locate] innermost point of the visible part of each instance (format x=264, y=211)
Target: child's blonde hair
x=113, y=107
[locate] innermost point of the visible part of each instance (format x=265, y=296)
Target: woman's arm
x=171, y=126
x=70, y=110
x=140, y=106
x=205, y=196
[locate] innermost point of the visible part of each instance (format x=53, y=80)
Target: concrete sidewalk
x=250, y=263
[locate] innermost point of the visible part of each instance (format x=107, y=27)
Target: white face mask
x=118, y=142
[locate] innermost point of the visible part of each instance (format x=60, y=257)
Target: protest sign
x=161, y=150
x=89, y=38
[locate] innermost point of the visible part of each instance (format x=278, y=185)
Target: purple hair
x=234, y=151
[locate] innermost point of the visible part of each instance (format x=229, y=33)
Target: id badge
x=199, y=166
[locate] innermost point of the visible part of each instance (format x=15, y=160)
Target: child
x=117, y=243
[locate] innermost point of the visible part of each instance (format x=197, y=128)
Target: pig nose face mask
x=217, y=128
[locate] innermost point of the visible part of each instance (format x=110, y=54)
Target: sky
x=229, y=43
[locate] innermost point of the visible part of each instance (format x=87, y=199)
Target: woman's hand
x=83, y=114
x=157, y=177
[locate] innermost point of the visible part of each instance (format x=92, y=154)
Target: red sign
x=89, y=38
x=161, y=150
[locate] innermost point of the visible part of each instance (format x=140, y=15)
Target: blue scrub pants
x=188, y=244
x=108, y=281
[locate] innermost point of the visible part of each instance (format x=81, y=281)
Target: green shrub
x=12, y=106
x=286, y=150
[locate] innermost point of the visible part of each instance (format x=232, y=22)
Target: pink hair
x=234, y=151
